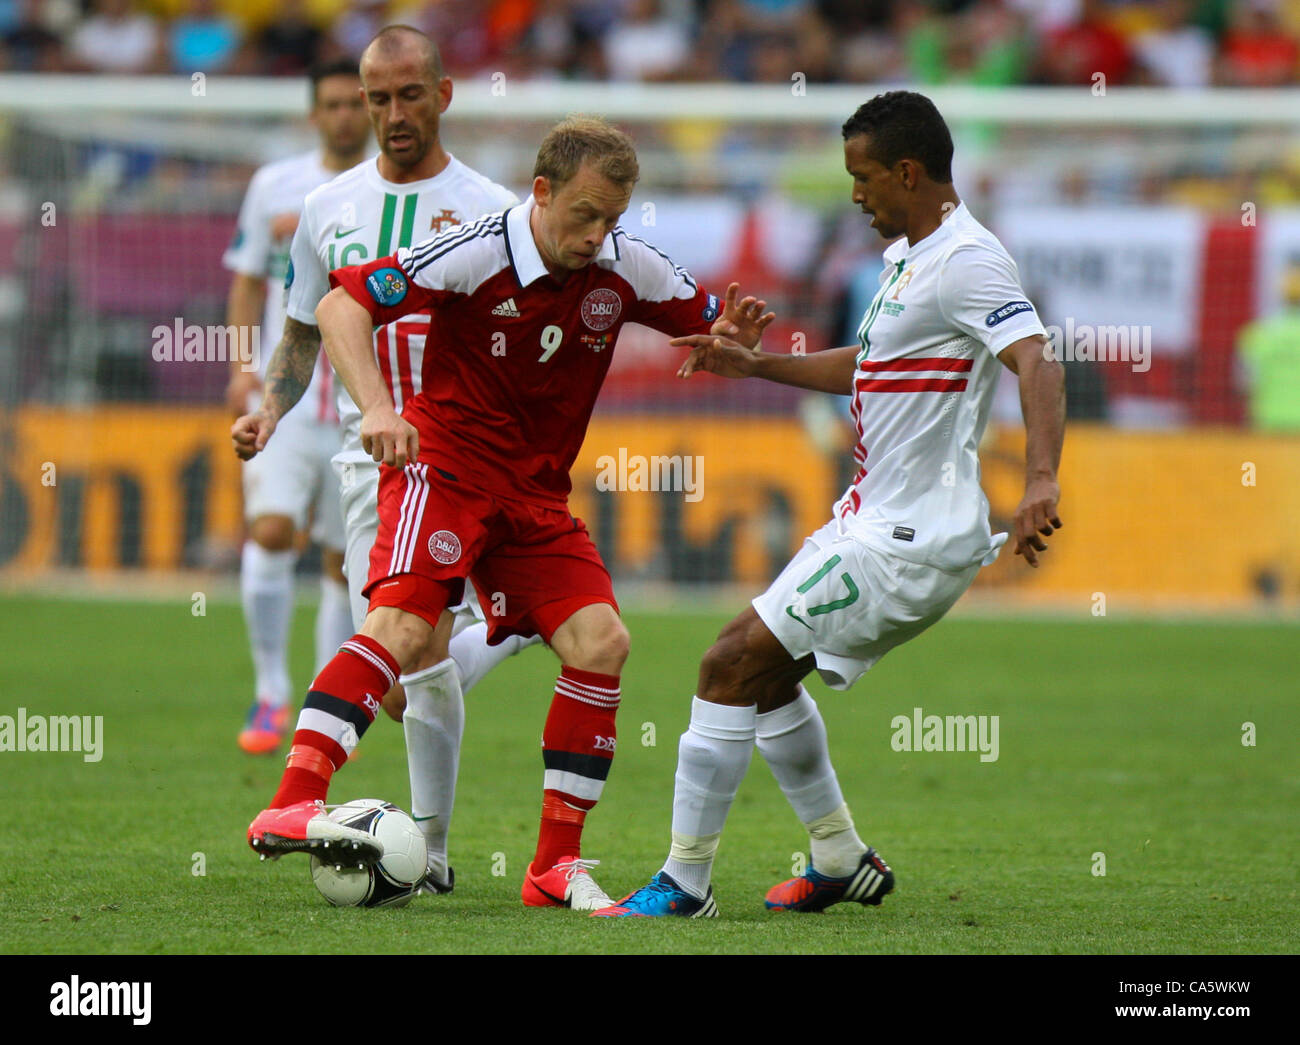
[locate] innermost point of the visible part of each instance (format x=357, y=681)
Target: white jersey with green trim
x=260, y=248
x=926, y=372
x=360, y=216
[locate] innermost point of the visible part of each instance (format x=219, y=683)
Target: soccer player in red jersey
x=526, y=308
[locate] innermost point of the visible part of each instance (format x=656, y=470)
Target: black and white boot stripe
x=870, y=884
x=710, y=908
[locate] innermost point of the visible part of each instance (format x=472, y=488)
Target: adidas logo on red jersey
x=507, y=309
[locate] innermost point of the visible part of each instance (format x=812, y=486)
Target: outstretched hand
x=717, y=355
x=743, y=320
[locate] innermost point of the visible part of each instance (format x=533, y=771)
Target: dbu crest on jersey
x=444, y=546
x=387, y=286
x=601, y=308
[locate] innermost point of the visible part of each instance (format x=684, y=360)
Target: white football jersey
x=926, y=372
x=359, y=217
x=276, y=192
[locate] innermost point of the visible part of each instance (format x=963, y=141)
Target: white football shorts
x=293, y=477
x=849, y=603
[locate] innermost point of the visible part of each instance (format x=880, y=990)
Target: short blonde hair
x=577, y=139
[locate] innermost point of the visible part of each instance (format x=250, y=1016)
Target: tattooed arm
x=287, y=376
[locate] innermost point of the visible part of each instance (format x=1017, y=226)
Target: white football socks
x=712, y=758
x=792, y=740
x=433, y=722
x=266, y=590
x=834, y=847
x=333, y=620
x=475, y=658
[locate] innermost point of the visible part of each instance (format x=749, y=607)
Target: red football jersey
x=514, y=360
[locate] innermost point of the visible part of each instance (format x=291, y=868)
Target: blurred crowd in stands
x=1179, y=43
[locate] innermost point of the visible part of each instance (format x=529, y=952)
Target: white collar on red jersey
x=522, y=248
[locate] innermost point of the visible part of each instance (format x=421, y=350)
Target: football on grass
x=393, y=880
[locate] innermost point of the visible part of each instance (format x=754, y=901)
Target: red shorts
x=534, y=567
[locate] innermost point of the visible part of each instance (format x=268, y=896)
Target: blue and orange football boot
x=265, y=729
x=814, y=891
x=661, y=897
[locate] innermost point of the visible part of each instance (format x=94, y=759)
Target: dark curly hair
x=904, y=125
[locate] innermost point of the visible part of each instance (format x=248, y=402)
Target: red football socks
x=340, y=706
x=577, y=749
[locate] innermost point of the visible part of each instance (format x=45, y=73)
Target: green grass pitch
x=1116, y=737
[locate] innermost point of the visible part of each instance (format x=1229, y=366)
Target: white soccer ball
x=393, y=880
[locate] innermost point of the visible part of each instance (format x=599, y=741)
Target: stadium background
x=1138, y=159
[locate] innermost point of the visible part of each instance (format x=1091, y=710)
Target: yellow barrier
x=1194, y=514
x=104, y=450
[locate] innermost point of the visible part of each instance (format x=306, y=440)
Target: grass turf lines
x=1115, y=737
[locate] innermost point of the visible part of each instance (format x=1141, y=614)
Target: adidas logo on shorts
x=507, y=309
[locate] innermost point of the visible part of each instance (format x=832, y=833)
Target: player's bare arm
x=244, y=307
x=288, y=374
x=743, y=321
x=1042, y=402
x=827, y=371
x=346, y=329
x=283, y=226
